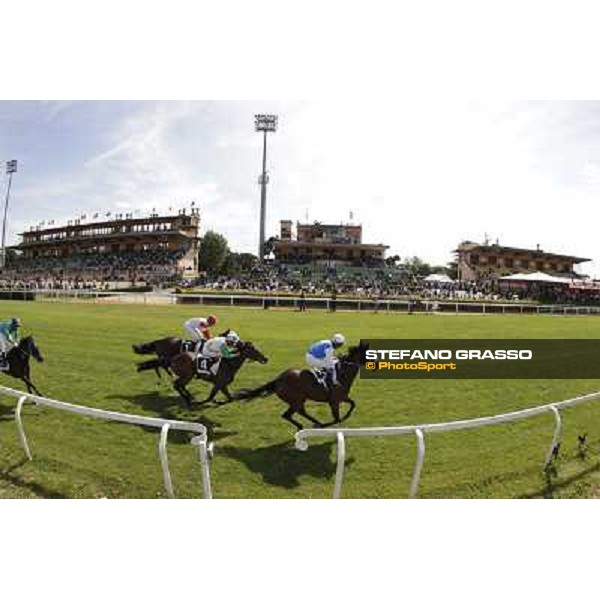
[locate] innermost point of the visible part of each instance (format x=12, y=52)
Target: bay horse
x=18, y=362
x=184, y=367
x=165, y=349
x=296, y=386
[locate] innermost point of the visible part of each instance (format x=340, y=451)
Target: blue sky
x=420, y=176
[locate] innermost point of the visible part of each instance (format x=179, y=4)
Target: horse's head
x=30, y=348
x=356, y=354
x=251, y=352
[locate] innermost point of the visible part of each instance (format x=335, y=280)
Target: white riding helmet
x=232, y=336
x=338, y=339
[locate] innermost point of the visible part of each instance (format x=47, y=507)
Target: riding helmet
x=338, y=339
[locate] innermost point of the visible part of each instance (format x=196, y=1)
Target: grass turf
x=89, y=361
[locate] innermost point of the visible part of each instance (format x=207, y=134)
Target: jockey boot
x=330, y=381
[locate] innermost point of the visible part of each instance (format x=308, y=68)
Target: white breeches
x=323, y=363
x=194, y=332
x=5, y=345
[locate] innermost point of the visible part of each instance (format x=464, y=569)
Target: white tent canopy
x=437, y=278
x=537, y=277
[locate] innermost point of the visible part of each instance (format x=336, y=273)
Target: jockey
x=199, y=328
x=321, y=355
x=9, y=337
x=222, y=346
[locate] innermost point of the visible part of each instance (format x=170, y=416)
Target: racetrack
x=89, y=361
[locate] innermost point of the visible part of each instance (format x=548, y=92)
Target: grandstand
x=477, y=262
x=127, y=250
x=326, y=245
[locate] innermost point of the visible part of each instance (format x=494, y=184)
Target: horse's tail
x=259, y=392
x=149, y=348
x=155, y=363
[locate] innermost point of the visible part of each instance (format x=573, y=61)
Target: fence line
x=200, y=440
x=266, y=301
x=419, y=431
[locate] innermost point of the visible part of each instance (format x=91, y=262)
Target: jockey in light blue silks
x=9, y=338
x=321, y=355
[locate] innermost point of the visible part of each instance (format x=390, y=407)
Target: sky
x=420, y=176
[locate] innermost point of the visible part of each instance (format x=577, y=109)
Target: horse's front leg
x=215, y=390
x=227, y=394
x=31, y=389
x=350, y=410
x=334, y=404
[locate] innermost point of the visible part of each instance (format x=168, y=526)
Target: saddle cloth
x=207, y=366
x=320, y=376
x=188, y=345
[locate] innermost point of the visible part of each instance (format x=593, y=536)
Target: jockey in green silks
x=9, y=338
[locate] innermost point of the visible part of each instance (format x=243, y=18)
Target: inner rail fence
x=419, y=431
x=200, y=439
x=295, y=302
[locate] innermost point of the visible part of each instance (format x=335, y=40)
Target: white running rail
x=200, y=440
x=419, y=432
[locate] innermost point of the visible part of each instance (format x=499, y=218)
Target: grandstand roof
x=473, y=246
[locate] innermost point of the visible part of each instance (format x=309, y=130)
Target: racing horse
x=18, y=362
x=296, y=386
x=166, y=349
x=184, y=367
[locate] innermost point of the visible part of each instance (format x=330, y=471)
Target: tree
x=213, y=252
x=392, y=261
x=417, y=267
x=452, y=270
x=238, y=263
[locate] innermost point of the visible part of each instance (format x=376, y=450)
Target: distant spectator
x=302, y=302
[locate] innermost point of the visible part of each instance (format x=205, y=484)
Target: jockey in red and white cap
x=199, y=327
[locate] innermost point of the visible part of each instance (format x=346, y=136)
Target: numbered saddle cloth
x=189, y=345
x=207, y=366
x=320, y=376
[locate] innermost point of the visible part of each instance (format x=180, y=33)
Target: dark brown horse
x=184, y=367
x=18, y=361
x=295, y=387
x=165, y=349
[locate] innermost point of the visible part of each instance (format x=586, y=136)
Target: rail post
x=416, y=478
x=341, y=461
x=204, y=451
x=22, y=436
x=164, y=460
x=555, y=437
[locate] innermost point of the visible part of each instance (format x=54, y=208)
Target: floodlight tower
x=11, y=167
x=266, y=124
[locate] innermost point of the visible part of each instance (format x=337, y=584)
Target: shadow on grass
x=41, y=491
x=171, y=407
x=552, y=486
x=7, y=413
x=282, y=465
